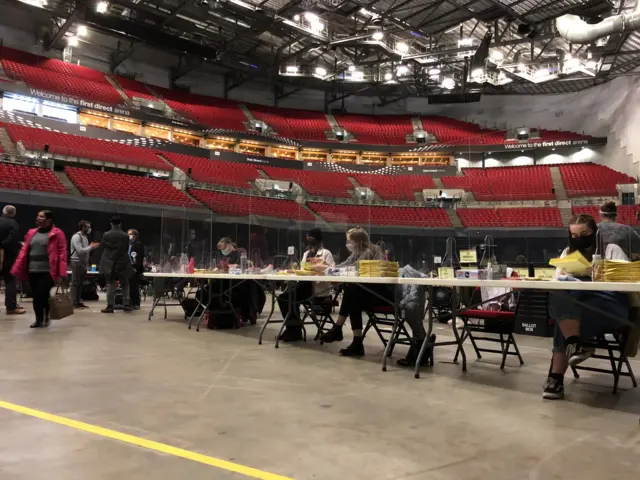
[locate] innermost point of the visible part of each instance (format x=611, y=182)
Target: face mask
x=351, y=247
x=312, y=242
x=88, y=230
x=225, y=251
x=131, y=237
x=582, y=242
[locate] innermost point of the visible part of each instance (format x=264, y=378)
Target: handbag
x=60, y=305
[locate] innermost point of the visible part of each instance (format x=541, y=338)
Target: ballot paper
x=574, y=263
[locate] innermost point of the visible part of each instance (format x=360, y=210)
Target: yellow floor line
x=141, y=442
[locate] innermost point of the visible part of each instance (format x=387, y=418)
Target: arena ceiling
x=389, y=48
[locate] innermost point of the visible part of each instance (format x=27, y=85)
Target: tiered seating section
x=505, y=183
x=626, y=213
x=64, y=144
x=322, y=184
x=134, y=88
x=234, y=205
x=384, y=216
x=216, y=172
x=19, y=177
x=129, y=188
x=589, y=179
x=290, y=123
x=59, y=77
x=510, y=217
x=377, y=130
x=208, y=111
x=400, y=187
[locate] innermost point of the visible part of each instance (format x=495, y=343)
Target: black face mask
x=312, y=242
x=583, y=242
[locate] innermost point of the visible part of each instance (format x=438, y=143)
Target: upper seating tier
x=291, y=123
x=323, y=184
x=510, y=217
x=399, y=187
x=133, y=88
x=216, y=172
x=59, y=77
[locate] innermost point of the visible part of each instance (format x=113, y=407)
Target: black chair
x=382, y=319
x=616, y=352
x=319, y=311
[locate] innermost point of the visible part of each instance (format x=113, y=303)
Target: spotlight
x=352, y=68
x=296, y=17
x=101, y=7
x=378, y=35
x=292, y=69
x=321, y=71
x=388, y=76
x=434, y=71
x=402, y=70
x=497, y=56
x=82, y=31
x=72, y=41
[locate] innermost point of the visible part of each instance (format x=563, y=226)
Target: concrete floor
x=300, y=411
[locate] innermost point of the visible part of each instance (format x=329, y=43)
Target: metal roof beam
x=64, y=28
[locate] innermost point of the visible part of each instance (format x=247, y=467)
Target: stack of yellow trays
x=621, y=271
x=378, y=268
x=306, y=270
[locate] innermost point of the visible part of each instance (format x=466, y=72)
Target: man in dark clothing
x=10, y=245
x=115, y=264
x=136, y=255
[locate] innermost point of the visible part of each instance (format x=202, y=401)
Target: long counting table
x=428, y=283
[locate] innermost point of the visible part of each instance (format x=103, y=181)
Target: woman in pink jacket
x=42, y=260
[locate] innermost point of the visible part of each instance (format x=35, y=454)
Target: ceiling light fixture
x=101, y=7
x=82, y=31
x=402, y=70
x=388, y=76
x=292, y=69
x=448, y=83
x=434, y=71
x=296, y=17
x=352, y=68
x=321, y=71
x=402, y=47
x=72, y=41
x=378, y=35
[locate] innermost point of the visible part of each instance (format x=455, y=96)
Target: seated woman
x=577, y=313
x=354, y=298
x=229, y=252
x=319, y=291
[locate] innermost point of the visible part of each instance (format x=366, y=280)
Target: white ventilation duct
x=575, y=30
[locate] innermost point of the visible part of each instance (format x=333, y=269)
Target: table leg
x=208, y=306
x=454, y=326
x=392, y=340
x=425, y=342
x=291, y=298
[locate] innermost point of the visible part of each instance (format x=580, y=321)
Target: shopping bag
x=60, y=305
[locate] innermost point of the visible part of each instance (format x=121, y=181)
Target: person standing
x=610, y=231
x=10, y=246
x=115, y=264
x=136, y=255
x=43, y=260
x=80, y=250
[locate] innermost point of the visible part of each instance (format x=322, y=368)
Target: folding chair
x=382, y=319
x=320, y=314
x=616, y=354
x=490, y=322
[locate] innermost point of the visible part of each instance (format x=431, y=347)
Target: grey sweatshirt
x=80, y=248
x=622, y=235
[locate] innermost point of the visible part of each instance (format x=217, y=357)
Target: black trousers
x=134, y=290
x=41, y=285
x=10, y=290
x=356, y=299
x=304, y=291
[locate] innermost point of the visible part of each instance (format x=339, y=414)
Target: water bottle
x=244, y=263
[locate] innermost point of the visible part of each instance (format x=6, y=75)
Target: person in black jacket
x=115, y=264
x=136, y=254
x=10, y=246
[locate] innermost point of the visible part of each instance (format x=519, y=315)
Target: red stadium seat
x=21, y=177
x=215, y=172
x=130, y=188
x=377, y=215
x=505, y=183
x=399, y=187
x=589, y=179
x=134, y=88
x=626, y=213
x=324, y=184
x=233, y=205
x=510, y=217
x=68, y=145
x=298, y=124
x=377, y=130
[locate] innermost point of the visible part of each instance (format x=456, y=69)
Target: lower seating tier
x=364, y=215
x=21, y=177
x=129, y=188
x=235, y=205
x=510, y=217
